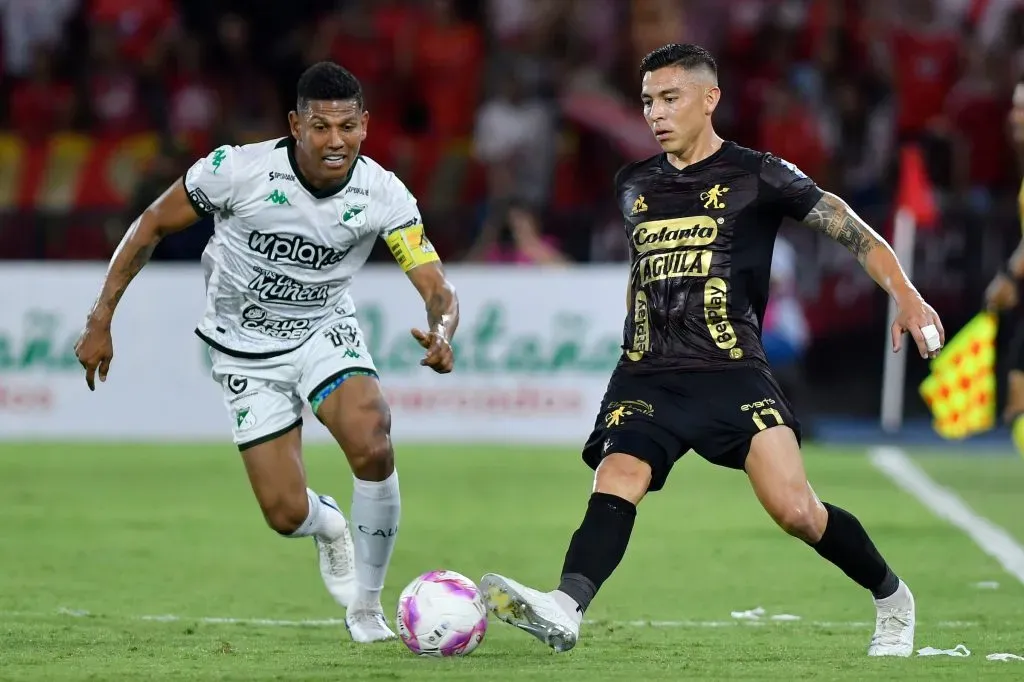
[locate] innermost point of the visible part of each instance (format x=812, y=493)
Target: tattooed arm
x=172, y=212
x=442, y=315
x=834, y=218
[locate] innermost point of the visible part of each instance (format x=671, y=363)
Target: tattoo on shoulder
x=833, y=217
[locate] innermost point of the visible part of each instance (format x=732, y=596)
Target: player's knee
x=286, y=513
x=804, y=519
x=373, y=462
x=624, y=476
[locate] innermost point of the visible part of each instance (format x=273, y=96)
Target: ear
x=712, y=96
x=363, y=123
x=293, y=123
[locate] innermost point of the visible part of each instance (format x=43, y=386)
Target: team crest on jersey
x=353, y=214
x=712, y=197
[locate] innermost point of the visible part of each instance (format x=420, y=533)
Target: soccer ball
x=441, y=613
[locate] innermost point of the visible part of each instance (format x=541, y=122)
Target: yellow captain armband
x=410, y=247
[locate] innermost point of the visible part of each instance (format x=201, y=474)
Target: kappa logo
x=640, y=205
x=219, y=155
x=278, y=198
x=712, y=198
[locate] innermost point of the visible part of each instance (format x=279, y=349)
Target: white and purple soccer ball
x=441, y=613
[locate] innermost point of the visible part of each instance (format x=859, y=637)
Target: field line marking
x=338, y=622
x=947, y=505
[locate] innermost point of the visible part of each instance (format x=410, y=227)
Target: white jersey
x=282, y=254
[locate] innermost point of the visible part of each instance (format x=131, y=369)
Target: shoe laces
x=339, y=558
x=889, y=627
x=370, y=616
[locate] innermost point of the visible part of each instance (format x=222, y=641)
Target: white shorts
x=265, y=396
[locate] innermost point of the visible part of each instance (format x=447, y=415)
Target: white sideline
x=945, y=504
x=340, y=622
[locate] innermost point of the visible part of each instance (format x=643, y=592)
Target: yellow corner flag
x=960, y=391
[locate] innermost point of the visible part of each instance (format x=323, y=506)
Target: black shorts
x=660, y=417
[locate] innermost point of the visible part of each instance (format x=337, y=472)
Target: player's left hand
x=439, y=357
x=920, y=320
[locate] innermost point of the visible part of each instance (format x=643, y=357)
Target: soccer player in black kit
x=701, y=220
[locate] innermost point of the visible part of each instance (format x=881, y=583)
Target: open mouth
x=334, y=160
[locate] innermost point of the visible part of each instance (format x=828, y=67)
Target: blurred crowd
x=508, y=118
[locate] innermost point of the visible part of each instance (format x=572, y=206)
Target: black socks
x=846, y=544
x=597, y=547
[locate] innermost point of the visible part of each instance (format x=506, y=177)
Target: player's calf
x=599, y=544
x=594, y=552
x=358, y=417
x=286, y=512
x=776, y=472
x=279, y=482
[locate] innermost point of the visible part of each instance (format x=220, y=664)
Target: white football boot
x=338, y=561
x=366, y=623
x=894, y=625
x=535, y=612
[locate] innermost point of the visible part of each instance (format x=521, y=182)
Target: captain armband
x=410, y=247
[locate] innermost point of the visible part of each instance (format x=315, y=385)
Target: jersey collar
x=289, y=144
x=668, y=167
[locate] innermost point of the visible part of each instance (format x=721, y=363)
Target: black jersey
x=701, y=242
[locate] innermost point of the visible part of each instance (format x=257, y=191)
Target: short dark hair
x=683, y=55
x=328, y=81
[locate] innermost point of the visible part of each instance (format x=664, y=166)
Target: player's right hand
x=94, y=350
x=440, y=356
x=1001, y=293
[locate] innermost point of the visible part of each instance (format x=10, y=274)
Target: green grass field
x=98, y=538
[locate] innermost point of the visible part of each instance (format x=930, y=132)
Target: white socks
x=568, y=604
x=322, y=520
x=376, y=507
x=898, y=599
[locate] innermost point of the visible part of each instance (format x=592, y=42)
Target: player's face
x=328, y=135
x=677, y=106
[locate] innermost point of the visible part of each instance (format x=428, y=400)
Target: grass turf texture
x=123, y=531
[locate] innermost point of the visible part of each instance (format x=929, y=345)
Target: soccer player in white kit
x=294, y=220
